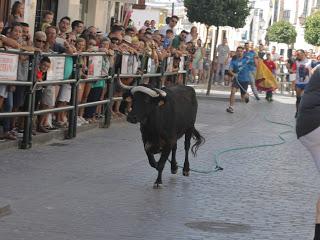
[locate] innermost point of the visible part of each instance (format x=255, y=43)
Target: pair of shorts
x=301, y=86
x=48, y=96
x=64, y=93
x=242, y=85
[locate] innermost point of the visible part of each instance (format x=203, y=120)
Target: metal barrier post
x=72, y=124
x=107, y=108
x=28, y=122
x=75, y=103
x=162, y=70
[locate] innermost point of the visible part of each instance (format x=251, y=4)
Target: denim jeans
x=8, y=104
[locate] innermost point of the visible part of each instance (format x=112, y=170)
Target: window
x=42, y=6
x=286, y=15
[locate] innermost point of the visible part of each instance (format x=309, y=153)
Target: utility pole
x=172, y=11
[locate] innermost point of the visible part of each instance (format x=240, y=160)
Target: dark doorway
x=4, y=10
x=42, y=6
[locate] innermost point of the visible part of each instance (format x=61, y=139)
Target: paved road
x=99, y=186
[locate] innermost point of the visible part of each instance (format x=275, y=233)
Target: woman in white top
x=193, y=35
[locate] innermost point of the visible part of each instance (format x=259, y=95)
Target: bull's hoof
x=157, y=185
x=174, y=170
x=186, y=173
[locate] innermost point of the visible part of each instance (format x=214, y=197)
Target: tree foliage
x=218, y=13
x=312, y=29
x=282, y=32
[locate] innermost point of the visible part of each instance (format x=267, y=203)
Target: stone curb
x=222, y=98
x=5, y=208
x=44, y=138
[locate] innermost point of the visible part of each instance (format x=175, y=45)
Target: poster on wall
x=8, y=66
x=95, y=66
x=56, y=70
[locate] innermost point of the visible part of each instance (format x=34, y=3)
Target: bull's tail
x=199, y=141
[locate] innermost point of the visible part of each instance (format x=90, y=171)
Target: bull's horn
x=145, y=90
x=123, y=85
x=162, y=93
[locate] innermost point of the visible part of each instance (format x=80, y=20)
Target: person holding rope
x=240, y=71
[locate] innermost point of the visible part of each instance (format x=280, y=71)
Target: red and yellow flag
x=265, y=80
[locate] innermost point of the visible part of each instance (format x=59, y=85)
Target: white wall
x=30, y=13
x=68, y=8
x=139, y=16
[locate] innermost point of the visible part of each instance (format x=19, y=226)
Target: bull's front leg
x=152, y=160
x=164, y=156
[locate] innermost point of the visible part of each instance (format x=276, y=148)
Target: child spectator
x=46, y=20
x=167, y=41
x=44, y=65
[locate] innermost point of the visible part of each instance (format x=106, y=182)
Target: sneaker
x=84, y=121
x=296, y=115
x=230, y=109
x=79, y=120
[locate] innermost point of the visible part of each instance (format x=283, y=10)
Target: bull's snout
x=132, y=119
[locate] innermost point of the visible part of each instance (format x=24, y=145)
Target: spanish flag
x=265, y=80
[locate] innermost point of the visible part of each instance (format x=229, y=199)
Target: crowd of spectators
x=71, y=36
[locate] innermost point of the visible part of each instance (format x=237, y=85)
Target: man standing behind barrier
x=172, y=24
x=240, y=71
x=64, y=26
x=251, y=57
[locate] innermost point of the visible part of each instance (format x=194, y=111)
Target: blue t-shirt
x=241, y=67
x=250, y=55
x=166, y=43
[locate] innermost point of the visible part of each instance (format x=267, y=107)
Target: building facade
x=99, y=13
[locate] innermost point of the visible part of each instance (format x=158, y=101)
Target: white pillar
x=68, y=8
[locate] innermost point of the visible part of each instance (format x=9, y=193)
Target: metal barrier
x=74, y=106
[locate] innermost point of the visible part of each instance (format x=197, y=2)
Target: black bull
x=165, y=116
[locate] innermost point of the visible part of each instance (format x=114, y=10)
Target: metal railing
x=73, y=107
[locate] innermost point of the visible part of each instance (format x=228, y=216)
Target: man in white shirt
x=173, y=22
x=223, y=55
x=302, y=75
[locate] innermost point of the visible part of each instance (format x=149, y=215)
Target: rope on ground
x=216, y=158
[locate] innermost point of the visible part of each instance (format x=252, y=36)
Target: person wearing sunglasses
x=179, y=39
x=172, y=24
